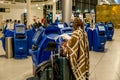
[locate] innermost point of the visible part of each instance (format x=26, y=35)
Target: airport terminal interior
x=39, y=40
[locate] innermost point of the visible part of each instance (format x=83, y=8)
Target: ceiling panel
x=25, y=0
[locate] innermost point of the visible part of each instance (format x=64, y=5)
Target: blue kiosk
x=45, y=36
x=41, y=40
x=86, y=26
x=6, y=33
x=109, y=30
x=29, y=33
x=20, y=42
x=63, y=27
x=46, y=42
x=89, y=32
x=59, y=24
x=99, y=37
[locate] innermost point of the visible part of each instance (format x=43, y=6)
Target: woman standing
x=77, y=51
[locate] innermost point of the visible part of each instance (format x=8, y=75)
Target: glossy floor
x=103, y=66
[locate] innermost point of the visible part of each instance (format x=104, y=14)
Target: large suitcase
x=59, y=70
x=44, y=71
x=47, y=74
x=65, y=71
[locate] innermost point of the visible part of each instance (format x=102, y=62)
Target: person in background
x=35, y=23
x=15, y=22
x=76, y=51
x=43, y=21
x=11, y=26
x=3, y=24
x=39, y=24
x=19, y=22
x=10, y=20
x=8, y=23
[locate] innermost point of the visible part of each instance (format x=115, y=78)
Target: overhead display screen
x=110, y=25
x=37, y=34
x=61, y=25
x=101, y=28
x=20, y=30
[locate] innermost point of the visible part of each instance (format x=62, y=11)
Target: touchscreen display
x=60, y=25
x=110, y=25
x=67, y=31
x=37, y=34
x=71, y=24
x=101, y=28
x=20, y=30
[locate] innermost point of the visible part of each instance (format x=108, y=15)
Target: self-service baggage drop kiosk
x=46, y=43
x=89, y=32
x=28, y=33
x=6, y=33
x=40, y=41
x=109, y=30
x=87, y=26
x=99, y=37
x=20, y=42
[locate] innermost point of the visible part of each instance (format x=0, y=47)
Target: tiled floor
x=103, y=66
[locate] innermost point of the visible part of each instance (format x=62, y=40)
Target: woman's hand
x=64, y=48
x=64, y=44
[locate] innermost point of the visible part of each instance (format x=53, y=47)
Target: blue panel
x=99, y=37
x=20, y=42
x=109, y=30
x=52, y=30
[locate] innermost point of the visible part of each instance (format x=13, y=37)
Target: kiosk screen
x=101, y=28
x=67, y=31
x=60, y=25
x=71, y=24
x=37, y=34
x=20, y=30
x=110, y=25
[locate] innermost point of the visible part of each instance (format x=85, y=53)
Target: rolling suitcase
x=44, y=71
x=47, y=74
x=65, y=71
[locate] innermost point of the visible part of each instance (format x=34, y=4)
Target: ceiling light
x=36, y=5
x=43, y=4
x=1, y=2
x=54, y=0
x=25, y=10
x=38, y=8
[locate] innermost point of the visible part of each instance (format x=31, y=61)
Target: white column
x=28, y=13
x=66, y=11
x=99, y=1
x=54, y=11
x=41, y=10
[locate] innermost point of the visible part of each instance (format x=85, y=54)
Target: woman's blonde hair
x=78, y=24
